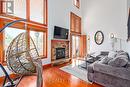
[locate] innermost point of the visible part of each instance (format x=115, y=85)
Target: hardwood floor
x=54, y=77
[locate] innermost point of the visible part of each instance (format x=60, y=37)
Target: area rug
x=76, y=71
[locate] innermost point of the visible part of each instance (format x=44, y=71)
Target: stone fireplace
x=59, y=50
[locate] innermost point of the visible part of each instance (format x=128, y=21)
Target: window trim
x=45, y=16
x=45, y=40
x=73, y=18
x=30, y=24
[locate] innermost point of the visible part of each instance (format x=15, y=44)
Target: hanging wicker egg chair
x=20, y=55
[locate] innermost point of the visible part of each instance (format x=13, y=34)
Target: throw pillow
x=122, y=53
x=105, y=60
x=96, y=54
x=119, y=61
x=112, y=54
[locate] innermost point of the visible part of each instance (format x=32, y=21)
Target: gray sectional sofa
x=112, y=70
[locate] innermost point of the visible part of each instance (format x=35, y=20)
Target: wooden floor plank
x=54, y=77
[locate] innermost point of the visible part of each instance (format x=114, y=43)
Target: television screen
x=60, y=33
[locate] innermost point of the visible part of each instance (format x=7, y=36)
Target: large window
x=33, y=10
x=75, y=23
x=39, y=38
x=14, y=8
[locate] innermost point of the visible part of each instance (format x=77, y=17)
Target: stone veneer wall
x=59, y=44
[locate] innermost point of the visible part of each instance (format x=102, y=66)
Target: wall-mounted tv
x=60, y=33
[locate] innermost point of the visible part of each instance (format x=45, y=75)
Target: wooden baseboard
x=47, y=66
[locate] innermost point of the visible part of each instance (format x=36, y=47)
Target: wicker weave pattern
x=20, y=55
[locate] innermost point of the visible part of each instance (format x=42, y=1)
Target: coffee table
x=85, y=64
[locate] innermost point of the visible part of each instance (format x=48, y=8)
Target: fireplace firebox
x=60, y=53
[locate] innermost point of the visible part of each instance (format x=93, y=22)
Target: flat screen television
x=60, y=33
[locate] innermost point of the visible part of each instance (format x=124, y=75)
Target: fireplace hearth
x=60, y=53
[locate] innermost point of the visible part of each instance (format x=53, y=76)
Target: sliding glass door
x=75, y=46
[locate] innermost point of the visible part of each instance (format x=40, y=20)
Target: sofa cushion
x=105, y=60
x=121, y=53
x=112, y=54
x=104, y=53
x=120, y=72
x=119, y=61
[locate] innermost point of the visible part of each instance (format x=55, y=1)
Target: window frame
x=74, y=19
x=45, y=15
x=44, y=39
x=30, y=25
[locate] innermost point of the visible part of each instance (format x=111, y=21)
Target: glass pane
x=38, y=40
x=20, y=8
x=77, y=45
x=10, y=34
x=15, y=8
x=73, y=46
x=37, y=10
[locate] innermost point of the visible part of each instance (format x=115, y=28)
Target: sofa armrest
x=120, y=72
x=90, y=68
x=92, y=59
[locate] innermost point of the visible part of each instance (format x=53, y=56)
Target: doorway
x=77, y=40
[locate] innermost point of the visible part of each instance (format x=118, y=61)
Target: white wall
x=59, y=14
x=128, y=3
x=109, y=16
